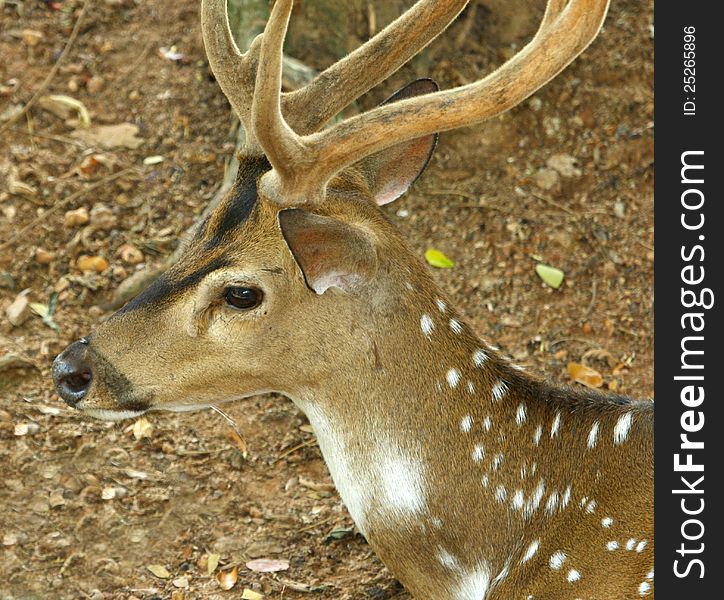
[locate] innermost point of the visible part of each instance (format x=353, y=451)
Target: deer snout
x=72, y=373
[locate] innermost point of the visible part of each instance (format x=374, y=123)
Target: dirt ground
x=87, y=507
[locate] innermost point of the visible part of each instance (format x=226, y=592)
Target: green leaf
x=550, y=275
x=46, y=311
x=438, y=259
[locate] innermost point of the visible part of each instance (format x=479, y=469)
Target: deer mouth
x=88, y=382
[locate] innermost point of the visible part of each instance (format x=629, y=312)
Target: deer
x=469, y=477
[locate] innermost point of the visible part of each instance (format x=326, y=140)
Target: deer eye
x=243, y=298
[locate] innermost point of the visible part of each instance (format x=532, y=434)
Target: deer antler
x=310, y=107
x=305, y=161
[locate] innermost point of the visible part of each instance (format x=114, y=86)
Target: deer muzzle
x=72, y=372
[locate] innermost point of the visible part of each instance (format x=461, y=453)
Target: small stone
x=44, y=257
x=74, y=218
x=535, y=103
x=91, y=263
x=565, y=164
x=32, y=37
x=547, y=179
x=18, y=312
x=619, y=209
x=130, y=254
x=95, y=84
x=102, y=217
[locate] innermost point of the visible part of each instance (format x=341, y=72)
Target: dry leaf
x=267, y=565
x=212, y=561
x=251, y=595
x=61, y=106
x=159, y=571
x=142, y=428
x=123, y=135
x=181, y=582
x=584, y=375
x=227, y=579
x=153, y=160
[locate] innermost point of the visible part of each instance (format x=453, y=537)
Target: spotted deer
x=470, y=478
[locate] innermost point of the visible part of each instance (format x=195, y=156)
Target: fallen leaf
x=159, y=571
x=267, y=565
x=61, y=106
x=227, y=579
x=181, y=582
x=123, y=135
x=251, y=595
x=584, y=375
x=550, y=275
x=437, y=259
x=46, y=311
x=212, y=562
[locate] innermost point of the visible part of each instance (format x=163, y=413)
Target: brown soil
x=85, y=506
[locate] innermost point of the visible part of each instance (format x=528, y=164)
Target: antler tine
x=235, y=72
x=281, y=145
x=312, y=106
x=568, y=27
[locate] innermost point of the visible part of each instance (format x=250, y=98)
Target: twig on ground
x=23, y=230
x=46, y=82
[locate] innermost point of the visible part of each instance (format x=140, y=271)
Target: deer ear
x=394, y=170
x=329, y=253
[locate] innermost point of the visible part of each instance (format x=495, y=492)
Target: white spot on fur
x=557, y=559
x=486, y=481
x=552, y=503
x=644, y=588
x=534, y=501
x=537, y=435
x=650, y=575
x=442, y=307
x=453, y=378
x=593, y=436
x=641, y=545
x=573, y=575
x=427, y=325
x=500, y=493
x=455, y=326
x=487, y=423
x=499, y=390
x=630, y=543
x=478, y=453
x=623, y=425
x=591, y=507
x=473, y=584
x=447, y=560
x=555, y=427
x=606, y=522
x=566, y=497
x=520, y=414
x=403, y=483
x=518, y=500
x=612, y=545
x=479, y=358
x=496, y=461
x=471, y=387
x=531, y=551
x=466, y=424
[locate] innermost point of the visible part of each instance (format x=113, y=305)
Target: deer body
x=470, y=478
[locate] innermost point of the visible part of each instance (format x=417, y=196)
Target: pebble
x=547, y=179
x=95, y=84
x=130, y=254
x=44, y=257
x=91, y=263
x=102, y=217
x=18, y=312
x=565, y=164
x=74, y=218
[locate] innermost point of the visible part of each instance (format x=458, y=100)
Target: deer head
x=295, y=275
x=298, y=283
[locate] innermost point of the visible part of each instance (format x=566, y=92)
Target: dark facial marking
x=117, y=384
x=234, y=211
x=164, y=289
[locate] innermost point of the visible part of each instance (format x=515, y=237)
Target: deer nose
x=72, y=373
